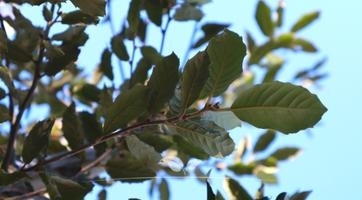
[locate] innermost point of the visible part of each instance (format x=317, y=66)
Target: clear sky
x=329, y=164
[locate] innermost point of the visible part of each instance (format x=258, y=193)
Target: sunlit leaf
x=78, y=16
x=266, y=177
x=264, y=18
x=37, y=140
x=304, y=45
x=285, y=153
x=133, y=16
x=163, y=82
x=305, y=20
x=119, y=48
x=91, y=7
x=128, y=105
x=280, y=106
x=194, y=77
x=188, y=12
x=72, y=128
x=226, y=53
x=235, y=190
x=206, y=135
x=264, y=141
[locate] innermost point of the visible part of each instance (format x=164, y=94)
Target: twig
x=164, y=30
x=119, y=133
x=94, y=163
x=29, y=194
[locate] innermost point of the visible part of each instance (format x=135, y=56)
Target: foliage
x=158, y=119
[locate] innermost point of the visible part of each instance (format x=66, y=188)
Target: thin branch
x=94, y=163
x=164, y=30
x=119, y=133
x=29, y=194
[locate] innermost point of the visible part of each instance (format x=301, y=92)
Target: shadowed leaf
x=91, y=7
x=235, y=190
x=72, y=128
x=264, y=141
x=285, y=153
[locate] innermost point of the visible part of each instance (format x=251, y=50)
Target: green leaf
x=189, y=148
x=163, y=82
x=92, y=130
x=128, y=106
x=17, y=53
x=305, y=20
x=143, y=152
x=259, y=52
x=209, y=30
x=102, y=195
x=106, y=65
x=133, y=16
x=235, y=190
x=266, y=177
x=206, y=135
x=5, y=77
x=151, y=54
x=2, y=93
x=37, y=140
x=224, y=119
x=164, y=190
x=72, y=127
x=70, y=35
x=285, y=153
x=154, y=11
x=119, y=48
x=3, y=42
x=280, y=106
x=86, y=92
x=78, y=16
x=304, y=45
x=47, y=14
x=281, y=196
x=59, y=63
x=140, y=74
x=240, y=168
x=194, y=77
x=226, y=53
x=300, y=195
x=280, y=14
x=264, y=141
x=250, y=41
x=129, y=169
x=69, y=189
x=4, y=114
x=7, y=179
x=264, y=18
x=91, y=7
x=188, y=12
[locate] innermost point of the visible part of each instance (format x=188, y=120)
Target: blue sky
x=329, y=164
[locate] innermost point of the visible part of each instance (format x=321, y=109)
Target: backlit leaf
x=188, y=12
x=305, y=20
x=128, y=106
x=78, y=16
x=226, y=53
x=285, y=153
x=225, y=119
x=280, y=106
x=4, y=113
x=300, y=195
x=264, y=18
x=235, y=190
x=194, y=77
x=163, y=82
x=209, y=30
x=133, y=16
x=106, y=65
x=142, y=151
x=37, y=140
x=72, y=128
x=304, y=45
x=119, y=48
x=91, y=7
x=206, y=135
x=154, y=11
x=264, y=141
